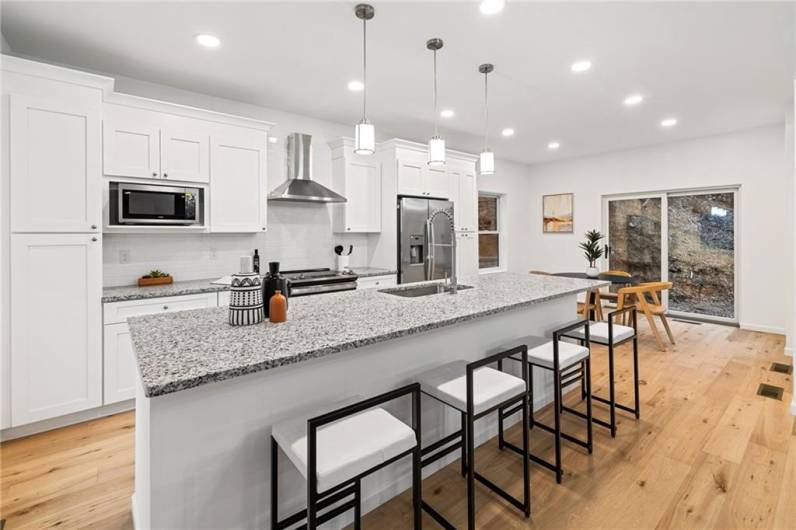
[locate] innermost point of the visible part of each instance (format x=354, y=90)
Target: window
x=489, y=241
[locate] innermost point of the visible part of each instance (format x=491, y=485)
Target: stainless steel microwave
x=147, y=204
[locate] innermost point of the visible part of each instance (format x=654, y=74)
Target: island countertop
x=186, y=349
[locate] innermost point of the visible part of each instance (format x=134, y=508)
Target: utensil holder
x=342, y=263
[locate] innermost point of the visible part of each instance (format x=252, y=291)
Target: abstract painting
x=557, y=212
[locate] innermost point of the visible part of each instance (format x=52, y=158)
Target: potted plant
x=155, y=277
x=593, y=251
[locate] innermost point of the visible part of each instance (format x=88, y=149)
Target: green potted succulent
x=592, y=250
x=155, y=277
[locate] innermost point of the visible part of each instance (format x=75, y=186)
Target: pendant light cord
x=486, y=112
x=436, y=115
x=365, y=69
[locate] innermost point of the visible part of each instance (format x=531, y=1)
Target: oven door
x=168, y=205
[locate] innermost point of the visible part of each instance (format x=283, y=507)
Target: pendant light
x=365, y=133
x=486, y=160
x=436, y=145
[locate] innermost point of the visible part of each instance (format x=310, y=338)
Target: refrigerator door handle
x=430, y=251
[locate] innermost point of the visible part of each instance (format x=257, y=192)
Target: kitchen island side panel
x=207, y=457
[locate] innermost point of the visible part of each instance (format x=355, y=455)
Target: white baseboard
x=65, y=421
x=789, y=352
x=762, y=328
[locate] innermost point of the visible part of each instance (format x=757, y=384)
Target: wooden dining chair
x=651, y=306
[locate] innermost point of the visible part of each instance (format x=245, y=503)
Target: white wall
x=299, y=235
x=758, y=160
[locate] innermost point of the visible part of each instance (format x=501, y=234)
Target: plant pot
x=163, y=280
x=592, y=272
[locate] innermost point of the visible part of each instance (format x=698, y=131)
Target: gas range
x=316, y=281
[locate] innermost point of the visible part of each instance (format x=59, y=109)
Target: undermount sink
x=422, y=290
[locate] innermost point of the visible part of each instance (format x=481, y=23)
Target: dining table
x=593, y=299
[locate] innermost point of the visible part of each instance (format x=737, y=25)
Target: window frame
x=500, y=232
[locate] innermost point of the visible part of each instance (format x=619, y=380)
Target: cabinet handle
x=165, y=175
x=349, y=228
x=93, y=227
x=154, y=174
x=93, y=238
x=263, y=228
x=165, y=307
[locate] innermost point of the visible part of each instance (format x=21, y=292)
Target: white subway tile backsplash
x=299, y=236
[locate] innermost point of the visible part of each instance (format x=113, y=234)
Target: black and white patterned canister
x=246, y=299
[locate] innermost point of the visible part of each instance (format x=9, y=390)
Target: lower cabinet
x=56, y=338
x=377, y=282
x=120, y=369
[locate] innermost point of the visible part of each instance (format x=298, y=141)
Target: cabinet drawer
x=115, y=312
x=374, y=282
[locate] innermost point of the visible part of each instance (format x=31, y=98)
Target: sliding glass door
x=688, y=238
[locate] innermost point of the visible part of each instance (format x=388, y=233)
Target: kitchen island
x=209, y=393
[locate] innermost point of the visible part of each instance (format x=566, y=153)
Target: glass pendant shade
x=486, y=162
x=365, y=138
x=436, y=151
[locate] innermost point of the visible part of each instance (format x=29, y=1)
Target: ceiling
x=716, y=67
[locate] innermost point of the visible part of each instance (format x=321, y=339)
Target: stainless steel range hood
x=299, y=186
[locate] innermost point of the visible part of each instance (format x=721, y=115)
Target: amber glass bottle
x=277, y=307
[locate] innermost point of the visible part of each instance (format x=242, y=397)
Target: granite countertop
x=186, y=349
x=133, y=292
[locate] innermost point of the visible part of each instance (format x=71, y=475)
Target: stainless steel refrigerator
x=424, y=249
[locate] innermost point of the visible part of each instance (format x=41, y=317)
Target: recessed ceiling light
x=633, y=99
x=356, y=86
x=446, y=113
x=208, y=41
x=272, y=139
x=507, y=132
x=581, y=66
x=669, y=122
x=491, y=7
x=553, y=146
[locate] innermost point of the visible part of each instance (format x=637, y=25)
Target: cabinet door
x=131, y=142
x=55, y=165
x=363, y=191
x=436, y=182
x=185, y=154
x=466, y=253
x=237, y=185
x=410, y=177
x=120, y=370
x=56, y=325
x=468, y=203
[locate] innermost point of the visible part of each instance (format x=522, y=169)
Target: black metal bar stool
x=335, y=450
x=569, y=363
x=476, y=390
x=612, y=335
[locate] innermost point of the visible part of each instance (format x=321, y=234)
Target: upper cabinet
x=416, y=177
x=238, y=194
x=358, y=178
x=147, y=144
x=465, y=197
x=54, y=164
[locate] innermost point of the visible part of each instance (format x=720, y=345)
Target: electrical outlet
x=124, y=256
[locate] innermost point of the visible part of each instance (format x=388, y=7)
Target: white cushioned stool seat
x=568, y=354
x=448, y=383
x=598, y=332
x=347, y=447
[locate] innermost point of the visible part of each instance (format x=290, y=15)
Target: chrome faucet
x=447, y=212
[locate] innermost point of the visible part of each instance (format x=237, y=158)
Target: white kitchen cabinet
x=358, y=179
x=119, y=312
x=120, y=369
x=465, y=196
x=466, y=253
x=223, y=298
x=377, y=282
x=147, y=144
x=56, y=332
x=415, y=177
x=238, y=194
x=55, y=163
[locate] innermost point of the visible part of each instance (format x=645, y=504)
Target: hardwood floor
x=707, y=453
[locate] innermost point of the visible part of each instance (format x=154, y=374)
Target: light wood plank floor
x=707, y=453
